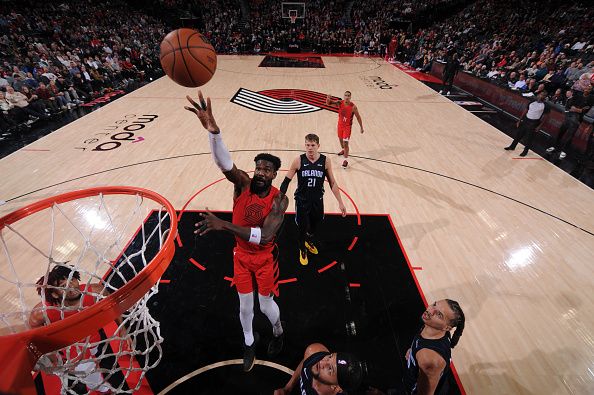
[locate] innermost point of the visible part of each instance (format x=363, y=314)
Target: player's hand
x=204, y=112
x=210, y=222
x=342, y=209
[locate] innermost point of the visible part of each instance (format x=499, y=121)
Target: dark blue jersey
x=306, y=377
x=441, y=346
x=310, y=179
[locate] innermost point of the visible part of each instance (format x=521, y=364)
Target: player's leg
x=450, y=83
x=243, y=282
x=302, y=221
x=316, y=215
x=562, y=130
x=341, y=141
x=571, y=129
x=345, y=163
x=267, y=280
x=531, y=131
x=520, y=132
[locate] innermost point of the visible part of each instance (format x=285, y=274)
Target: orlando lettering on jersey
x=310, y=185
x=312, y=173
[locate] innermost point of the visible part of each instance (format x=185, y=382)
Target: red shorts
x=344, y=132
x=263, y=265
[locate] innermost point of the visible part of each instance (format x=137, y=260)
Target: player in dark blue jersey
x=428, y=358
x=324, y=373
x=311, y=169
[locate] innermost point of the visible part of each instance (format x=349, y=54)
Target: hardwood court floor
x=511, y=239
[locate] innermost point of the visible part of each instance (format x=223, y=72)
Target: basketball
x=188, y=58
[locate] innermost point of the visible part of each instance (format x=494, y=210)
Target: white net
x=66, y=258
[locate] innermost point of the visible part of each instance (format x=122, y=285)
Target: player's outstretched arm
x=331, y=102
x=334, y=187
x=254, y=235
x=220, y=153
x=290, y=174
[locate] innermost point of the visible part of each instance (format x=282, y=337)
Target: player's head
x=61, y=279
x=340, y=371
x=347, y=96
x=445, y=315
x=266, y=167
x=312, y=144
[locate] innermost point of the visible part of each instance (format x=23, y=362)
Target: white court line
x=220, y=364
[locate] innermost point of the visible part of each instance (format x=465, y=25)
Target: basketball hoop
x=87, y=232
x=293, y=16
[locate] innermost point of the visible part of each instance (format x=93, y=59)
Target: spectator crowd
x=59, y=55
x=524, y=45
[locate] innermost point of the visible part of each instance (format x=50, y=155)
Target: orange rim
x=20, y=351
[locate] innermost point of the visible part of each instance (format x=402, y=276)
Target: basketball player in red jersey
x=62, y=297
x=346, y=110
x=258, y=212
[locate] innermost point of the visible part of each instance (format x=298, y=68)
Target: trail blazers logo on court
x=283, y=101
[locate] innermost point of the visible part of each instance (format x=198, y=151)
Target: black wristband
x=285, y=185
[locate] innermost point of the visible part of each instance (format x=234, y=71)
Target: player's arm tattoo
x=275, y=218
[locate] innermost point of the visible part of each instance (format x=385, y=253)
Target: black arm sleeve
x=285, y=185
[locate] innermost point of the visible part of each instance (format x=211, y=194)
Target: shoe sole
x=254, y=344
x=251, y=366
x=274, y=354
x=301, y=261
x=311, y=250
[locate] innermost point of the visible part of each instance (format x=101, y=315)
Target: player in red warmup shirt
x=346, y=110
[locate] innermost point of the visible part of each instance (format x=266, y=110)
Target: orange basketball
x=188, y=58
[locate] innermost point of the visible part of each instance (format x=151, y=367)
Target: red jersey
x=345, y=114
x=54, y=315
x=251, y=210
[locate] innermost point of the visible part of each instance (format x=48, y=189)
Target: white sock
x=246, y=316
x=270, y=309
